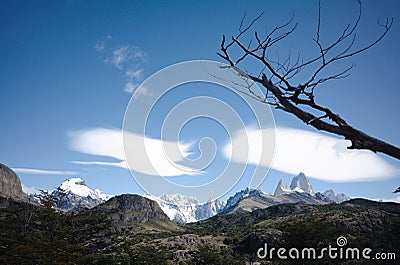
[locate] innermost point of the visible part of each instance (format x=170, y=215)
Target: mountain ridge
x=300, y=190
x=74, y=195
x=185, y=209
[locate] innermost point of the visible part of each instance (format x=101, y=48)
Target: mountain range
x=132, y=229
x=184, y=209
x=300, y=190
x=73, y=195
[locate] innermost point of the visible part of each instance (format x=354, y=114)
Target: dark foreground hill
x=130, y=229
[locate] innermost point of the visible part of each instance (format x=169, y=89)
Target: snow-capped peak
x=185, y=209
x=298, y=190
x=235, y=199
x=340, y=197
x=74, y=195
x=78, y=187
x=179, y=199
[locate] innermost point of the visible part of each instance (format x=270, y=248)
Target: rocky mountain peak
x=78, y=187
x=239, y=196
x=186, y=209
x=10, y=184
x=301, y=183
x=340, y=197
x=74, y=195
x=128, y=208
x=282, y=188
x=300, y=190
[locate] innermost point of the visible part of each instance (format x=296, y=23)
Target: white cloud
x=134, y=74
x=128, y=59
x=319, y=156
x=142, y=91
x=43, y=171
x=101, y=163
x=130, y=87
x=109, y=143
x=30, y=190
x=126, y=56
x=98, y=141
x=394, y=199
x=100, y=45
x=119, y=56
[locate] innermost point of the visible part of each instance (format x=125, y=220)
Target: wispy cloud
x=35, y=171
x=319, y=156
x=30, y=190
x=142, y=91
x=128, y=58
x=130, y=87
x=98, y=141
x=125, y=56
x=394, y=199
x=109, y=143
x=101, y=163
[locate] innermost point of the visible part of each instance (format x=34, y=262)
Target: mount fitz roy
x=301, y=184
x=300, y=190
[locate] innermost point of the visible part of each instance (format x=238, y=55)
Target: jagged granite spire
x=282, y=188
x=340, y=197
x=302, y=184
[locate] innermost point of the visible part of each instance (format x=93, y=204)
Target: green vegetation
x=39, y=235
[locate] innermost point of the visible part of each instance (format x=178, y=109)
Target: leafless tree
x=276, y=76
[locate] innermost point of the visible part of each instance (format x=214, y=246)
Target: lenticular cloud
x=321, y=156
x=108, y=143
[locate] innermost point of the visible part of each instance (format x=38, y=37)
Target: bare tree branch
x=299, y=100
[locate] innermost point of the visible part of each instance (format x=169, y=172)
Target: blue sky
x=68, y=69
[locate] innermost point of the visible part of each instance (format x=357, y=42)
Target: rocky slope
x=129, y=208
x=362, y=222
